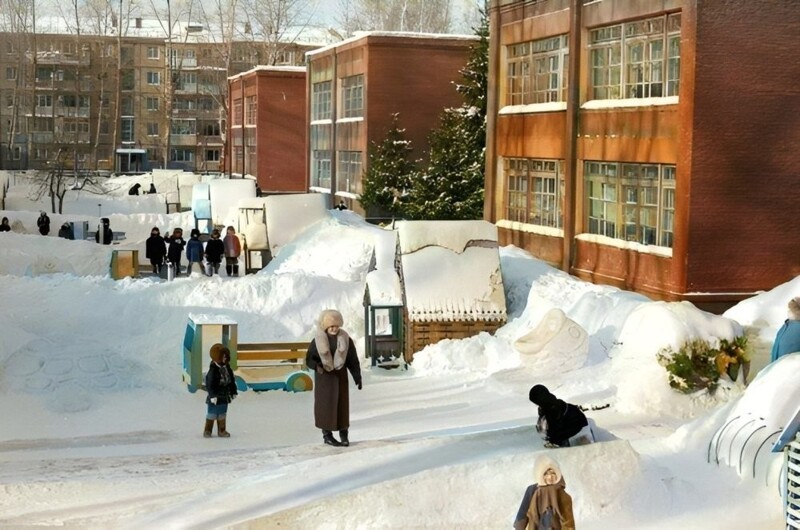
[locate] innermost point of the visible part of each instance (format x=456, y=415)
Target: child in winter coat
x=175, y=250
x=194, y=251
x=233, y=249
x=155, y=250
x=546, y=505
x=221, y=388
x=215, y=248
x=787, y=340
x=558, y=421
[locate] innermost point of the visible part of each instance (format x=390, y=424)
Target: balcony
x=59, y=58
x=186, y=88
x=177, y=140
x=72, y=112
x=212, y=141
x=42, y=137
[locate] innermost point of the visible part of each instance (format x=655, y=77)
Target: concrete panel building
x=648, y=144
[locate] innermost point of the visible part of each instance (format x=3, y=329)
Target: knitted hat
x=540, y=395
x=217, y=351
x=794, y=308
x=330, y=317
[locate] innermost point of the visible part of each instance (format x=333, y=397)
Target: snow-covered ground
x=99, y=432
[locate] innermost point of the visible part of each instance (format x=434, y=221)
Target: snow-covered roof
x=383, y=282
x=358, y=35
x=451, y=270
x=269, y=68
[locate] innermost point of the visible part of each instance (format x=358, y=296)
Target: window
x=250, y=115
x=633, y=202
x=321, y=101
x=187, y=81
x=348, y=174
x=16, y=153
x=181, y=155
x=128, y=80
x=184, y=104
x=321, y=169
x=183, y=127
x=127, y=130
x=40, y=153
x=212, y=155
x=537, y=71
x=153, y=52
x=152, y=129
x=152, y=104
x=11, y=72
x=237, y=113
x=153, y=78
x=211, y=129
x=629, y=60
x=353, y=96
x=535, y=191
x=44, y=100
x=9, y=101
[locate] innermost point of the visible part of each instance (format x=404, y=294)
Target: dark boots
x=207, y=430
x=327, y=437
x=221, y=432
x=228, y=269
x=343, y=435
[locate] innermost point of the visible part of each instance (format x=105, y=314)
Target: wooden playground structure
x=256, y=366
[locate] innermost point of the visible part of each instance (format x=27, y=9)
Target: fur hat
x=218, y=351
x=330, y=317
x=794, y=308
x=543, y=463
x=540, y=395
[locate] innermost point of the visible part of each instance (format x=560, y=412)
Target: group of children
x=169, y=250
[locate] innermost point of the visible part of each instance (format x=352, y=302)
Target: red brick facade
x=727, y=133
x=268, y=141
x=412, y=75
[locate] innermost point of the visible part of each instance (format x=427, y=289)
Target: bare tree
x=275, y=26
x=56, y=181
x=422, y=16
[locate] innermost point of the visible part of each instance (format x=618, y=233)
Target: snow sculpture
x=557, y=342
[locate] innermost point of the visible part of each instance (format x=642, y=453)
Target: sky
x=100, y=431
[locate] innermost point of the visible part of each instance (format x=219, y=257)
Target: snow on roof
x=269, y=68
x=383, y=282
x=358, y=35
x=469, y=283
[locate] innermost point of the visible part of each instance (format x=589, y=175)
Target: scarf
x=546, y=496
x=335, y=361
x=224, y=375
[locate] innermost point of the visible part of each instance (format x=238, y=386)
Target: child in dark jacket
x=221, y=388
x=175, y=250
x=558, y=421
x=155, y=250
x=214, y=251
x=194, y=251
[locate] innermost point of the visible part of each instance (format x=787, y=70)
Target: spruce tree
x=452, y=185
x=389, y=172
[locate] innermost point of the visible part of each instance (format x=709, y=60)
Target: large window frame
x=536, y=71
x=321, y=100
x=348, y=171
x=353, y=96
x=637, y=59
x=251, y=106
x=631, y=202
x=535, y=191
x=321, y=163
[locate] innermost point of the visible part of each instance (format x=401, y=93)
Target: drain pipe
x=571, y=210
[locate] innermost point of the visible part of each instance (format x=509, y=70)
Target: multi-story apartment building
x=122, y=103
x=647, y=144
x=267, y=129
x=355, y=87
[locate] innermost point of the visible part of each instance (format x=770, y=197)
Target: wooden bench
x=272, y=365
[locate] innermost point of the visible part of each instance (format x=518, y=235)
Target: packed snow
x=100, y=432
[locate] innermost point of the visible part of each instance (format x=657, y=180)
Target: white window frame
x=535, y=191
x=321, y=164
x=153, y=53
x=631, y=202
x=353, y=96
x=636, y=60
x=348, y=171
x=153, y=78
x=536, y=71
x=322, y=100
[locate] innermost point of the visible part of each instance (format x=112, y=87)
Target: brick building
x=354, y=88
x=648, y=144
x=268, y=127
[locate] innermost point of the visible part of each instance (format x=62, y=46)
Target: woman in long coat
x=330, y=355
